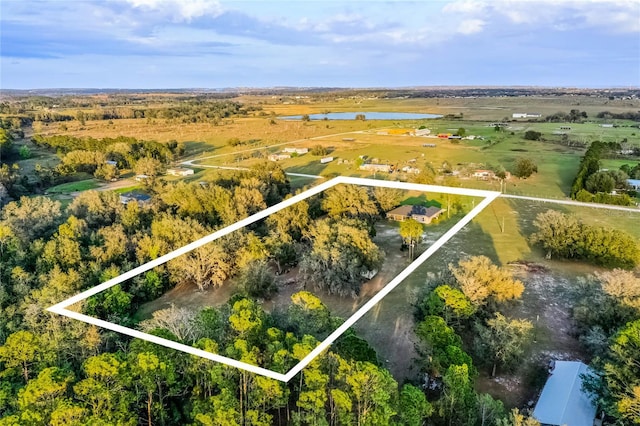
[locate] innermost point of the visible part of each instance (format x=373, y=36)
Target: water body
x=368, y=115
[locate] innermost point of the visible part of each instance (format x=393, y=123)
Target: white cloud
x=471, y=26
x=465, y=6
x=613, y=16
x=181, y=10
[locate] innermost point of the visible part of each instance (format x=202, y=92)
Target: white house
x=525, y=115
x=298, y=151
x=422, y=132
x=385, y=168
x=484, y=174
x=179, y=171
x=562, y=401
x=278, y=157
x=409, y=169
x=326, y=160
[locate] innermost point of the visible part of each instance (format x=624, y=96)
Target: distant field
x=557, y=163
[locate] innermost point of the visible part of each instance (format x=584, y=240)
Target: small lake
x=368, y=115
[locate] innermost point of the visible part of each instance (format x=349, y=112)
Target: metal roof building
x=562, y=401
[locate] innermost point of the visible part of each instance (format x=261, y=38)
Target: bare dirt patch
x=544, y=305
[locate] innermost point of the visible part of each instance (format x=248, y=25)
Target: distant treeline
x=620, y=115
x=594, y=185
x=188, y=111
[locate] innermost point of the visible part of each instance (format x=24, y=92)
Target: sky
x=156, y=44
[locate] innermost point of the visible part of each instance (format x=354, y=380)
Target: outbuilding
x=562, y=401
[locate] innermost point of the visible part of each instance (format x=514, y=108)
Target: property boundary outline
x=61, y=308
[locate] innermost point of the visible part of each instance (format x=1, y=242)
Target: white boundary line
x=60, y=308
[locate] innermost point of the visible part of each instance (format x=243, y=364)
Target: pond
x=368, y=115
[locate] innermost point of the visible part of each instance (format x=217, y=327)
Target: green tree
x=40, y=397
x=440, y=346
x=319, y=151
x=622, y=373
x=32, y=217
x=97, y=208
x=373, y=391
x=411, y=232
x=153, y=375
x=557, y=233
x=257, y=280
x=106, y=390
x=480, y=281
x=413, y=407
x=80, y=116
x=457, y=405
x=524, y=167
x=503, y=341
x=290, y=223
x=20, y=351
x=622, y=285
x=349, y=201
x=386, y=198
x=489, y=410
x=532, y=135
x=600, y=182
x=107, y=172
x=148, y=166
x=341, y=257
x=24, y=152
x=448, y=302
x=308, y=315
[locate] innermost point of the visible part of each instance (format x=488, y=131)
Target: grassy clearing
x=66, y=188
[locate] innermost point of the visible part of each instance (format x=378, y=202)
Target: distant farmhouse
x=422, y=132
x=484, y=174
x=384, y=168
x=299, y=151
x=278, y=157
x=525, y=115
x=140, y=198
x=409, y=169
x=420, y=213
x=326, y=160
x=180, y=171
x=562, y=401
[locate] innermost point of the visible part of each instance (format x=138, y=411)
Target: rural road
x=574, y=203
x=518, y=197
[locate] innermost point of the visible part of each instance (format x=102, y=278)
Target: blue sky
x=211, y=44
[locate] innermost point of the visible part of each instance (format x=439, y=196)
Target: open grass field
x=82, y=185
